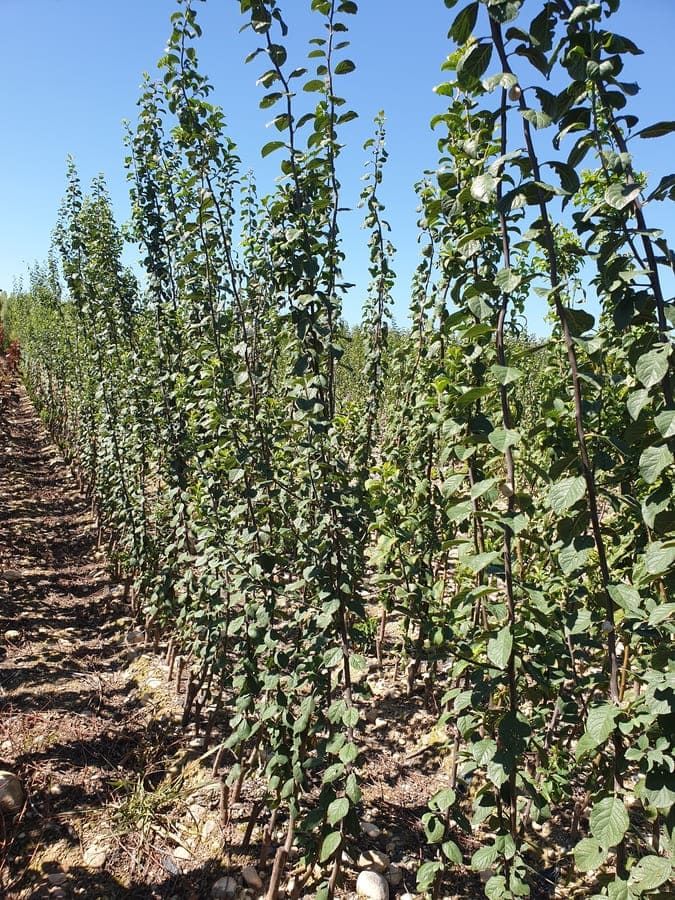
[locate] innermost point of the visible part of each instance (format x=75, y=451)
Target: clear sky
x=71, y=71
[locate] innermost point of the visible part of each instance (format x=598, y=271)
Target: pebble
x=154, y=683
x=370, y=830
x=374, y=859
x=407, y=897
x=57, y=877
x=12, y=635
x=95, y=856
x=209, y=827
x=372, y=885
x=251, y=877
x=223, y=888
x=12, y=794
x=182, y=853
x=134, y=637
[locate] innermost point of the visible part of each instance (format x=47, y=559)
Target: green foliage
x=263, y=468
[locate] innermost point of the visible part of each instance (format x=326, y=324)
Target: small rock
x=208, y=828
x=370, y=830
x=154, y=683
x=223, y=888
x=57, y=877
x=372, y=885
x=374, y=859
x=394, y=876
x=12, y=635
x=407, y=897
x=95, y=856
x=134, y=637
x=371, y=715
x=12, y=794
x=251, y=877
x=380, y=723
x=182, y=853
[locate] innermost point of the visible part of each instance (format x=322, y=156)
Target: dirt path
x=74, y=724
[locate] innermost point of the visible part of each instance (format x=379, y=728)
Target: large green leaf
x=483, y=188
x=650, y=872
x=609, y=822
x=564, y=494
x=659, y=557
x=620, y=195
x=653, y=461
x=589, y=855
x=499, y=648
x=330, y=844
x=600, y=722
x=464, y=23
x=652, y=367
x=337, y=810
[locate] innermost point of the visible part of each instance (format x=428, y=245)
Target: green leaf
x=652, y=367
x=506, y=374
x=483, y=188
x=589, y=855
x=536, y=117
x=452, y=852
x=484, y=857
x=426, y=874
x=507, y=280
x=464, y=23
x=473, y=64
x=653, y=461
x=625, y=596
x=443, y=800
x=496, y=888
x=637, y=400
x=665, y=422
x=479, y=561
x=315, y=84
x=657, y=130
x=337, y=810
x=618, y=196
x=609, y=822
x=659, y=557
x=499, y=648
x=344, y=67
x=600, y=722
x=271, y=147
x=503, y=438
x=330, y=844
x=650, y=872
x=483, y=751
x=661, y=613
x=565, y=493
x=352, y=789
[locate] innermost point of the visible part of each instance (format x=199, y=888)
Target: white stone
x=95, y=856
x=372, y=885
x=224, y=888
x=251, y=877
x=12, y=635
x=12, y=794
x=182, y=853
x=407, y=897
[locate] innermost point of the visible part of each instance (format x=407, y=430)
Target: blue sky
x=71, y=71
